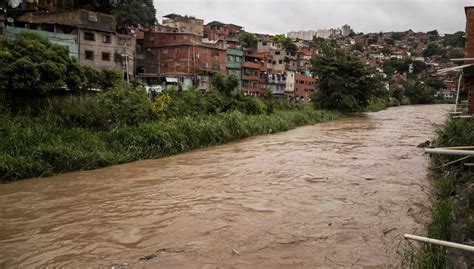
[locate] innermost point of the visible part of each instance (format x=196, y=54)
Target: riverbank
x=453, y=209
x=38, y=147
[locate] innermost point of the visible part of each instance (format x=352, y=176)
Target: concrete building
x=323, y=33
x=304, y=56
x=253, y=73
x=305, y=86
x=304, y=35
x=346, y=30
x=234, y=63
x=99, y=46
x=279, y=61
x=184, y=24
x=181, y=57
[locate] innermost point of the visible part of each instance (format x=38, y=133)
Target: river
x=337, y=194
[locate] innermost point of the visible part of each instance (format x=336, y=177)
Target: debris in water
x=389, y=231
x=148, y=257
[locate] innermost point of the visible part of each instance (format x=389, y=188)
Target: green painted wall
x=68, y=41
x=234, y=63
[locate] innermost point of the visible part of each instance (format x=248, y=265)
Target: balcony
x=251, y=65
x=251, y=77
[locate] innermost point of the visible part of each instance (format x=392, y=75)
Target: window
x=89, y=55
x=215, y=66
x=238, y=59
x=280, y=61
x=215, y=53
x=277, y=52
x=105, y=56
x=164, y=51
x=89, y=36
x=176, y=50
x=106, y=39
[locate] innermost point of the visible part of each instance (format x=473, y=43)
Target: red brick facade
x=220, y=31
x=253, y=74
x=180, y=54
x=469, y=53
x=305, y=86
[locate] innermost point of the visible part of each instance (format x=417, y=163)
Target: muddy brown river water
x=338, y=194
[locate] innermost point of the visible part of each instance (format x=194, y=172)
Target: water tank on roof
x=14, y=3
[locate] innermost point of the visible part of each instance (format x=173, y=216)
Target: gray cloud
x=278, y=16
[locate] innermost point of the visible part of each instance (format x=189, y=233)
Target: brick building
x=469, y=53
x=304, y=87
x=254, y=73
x=181, y=56
x=184, y=24
x=220, y=31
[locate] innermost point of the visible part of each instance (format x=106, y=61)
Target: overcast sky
x=282, y=16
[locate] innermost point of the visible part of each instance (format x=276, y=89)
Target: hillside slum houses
x=183, y=52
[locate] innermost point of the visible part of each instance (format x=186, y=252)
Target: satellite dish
x=14, y=3
x=10, y=20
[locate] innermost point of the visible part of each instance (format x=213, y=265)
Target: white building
x=304, y=35
x=346, y=30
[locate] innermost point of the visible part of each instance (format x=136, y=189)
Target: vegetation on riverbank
x=346, y=83
x=43, y=145
x=453, y=209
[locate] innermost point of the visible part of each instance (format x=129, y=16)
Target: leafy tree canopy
x=248, y=40
x=345, y=82
x=433, y=33
x=418, y=92
x=431, y=50
x=31, y=65
x=286, y=42
x=127, y=12
x=456, y=40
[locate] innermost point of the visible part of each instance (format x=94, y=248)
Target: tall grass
x=456, y=132
x=40, y=146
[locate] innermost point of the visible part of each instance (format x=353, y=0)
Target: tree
x=30, y=65
x=433, y=33
x=248, y=40
x=358, y=47
x=345, y=82
x=396, y=35
x=224, y=84
x=434, y=82
x=127, y=12
x=418, y=92
x=134, y=12
x=287, y=43
x=455, y=53
x=431, y=50
x=455, y=40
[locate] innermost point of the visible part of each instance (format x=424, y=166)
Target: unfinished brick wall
x=469, y=53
